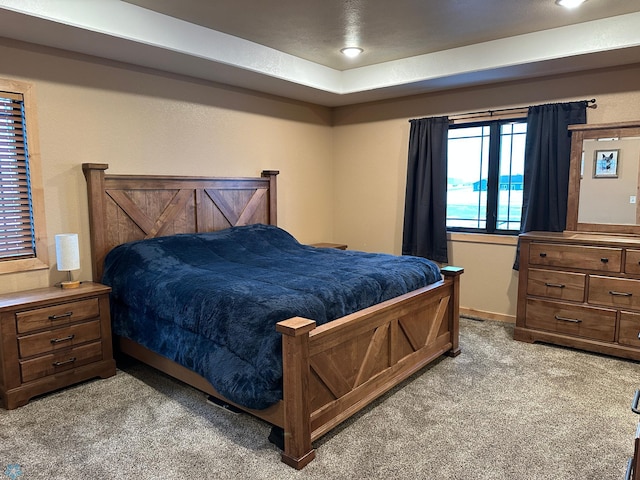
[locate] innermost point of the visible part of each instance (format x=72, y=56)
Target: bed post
x=298, y=450
x=453, y=273
x=273, y=195
x=94, y=174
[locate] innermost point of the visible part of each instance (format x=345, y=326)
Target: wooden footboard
x=333, y=371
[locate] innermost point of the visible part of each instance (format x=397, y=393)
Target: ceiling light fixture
x=351, y=52
x=570, y=3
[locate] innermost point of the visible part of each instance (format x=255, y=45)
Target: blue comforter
x=210, y=301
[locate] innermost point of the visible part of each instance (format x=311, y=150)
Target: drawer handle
x=542, y=254
x=634, y=404
x=63, y=315
x=619, y=294
x=556, y=285
x=66, y=362
x=64, y=339
x=565, y=319
x=604, y=260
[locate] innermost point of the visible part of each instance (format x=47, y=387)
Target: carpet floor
x=500, y=410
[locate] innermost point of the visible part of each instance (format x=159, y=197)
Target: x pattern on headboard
x=124, y=208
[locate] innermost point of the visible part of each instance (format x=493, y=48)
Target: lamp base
x=70, y=284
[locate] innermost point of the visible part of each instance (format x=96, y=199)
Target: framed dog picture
x=605, y=164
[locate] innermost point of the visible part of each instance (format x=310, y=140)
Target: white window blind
x=17, y=239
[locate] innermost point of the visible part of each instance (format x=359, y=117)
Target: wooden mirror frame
x=579, y=133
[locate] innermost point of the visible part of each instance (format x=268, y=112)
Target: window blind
x=17, y=239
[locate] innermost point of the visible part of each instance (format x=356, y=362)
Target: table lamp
x=68, y=257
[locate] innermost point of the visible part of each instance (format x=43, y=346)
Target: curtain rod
x=491, y=113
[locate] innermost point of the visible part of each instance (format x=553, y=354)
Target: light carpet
x=501, y=410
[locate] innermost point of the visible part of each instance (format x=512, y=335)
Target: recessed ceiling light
x=570, y=3
x=351, y=52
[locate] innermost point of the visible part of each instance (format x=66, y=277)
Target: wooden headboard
x=124, y=208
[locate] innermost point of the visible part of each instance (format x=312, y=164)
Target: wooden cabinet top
x=582, y=238
x=44, y=296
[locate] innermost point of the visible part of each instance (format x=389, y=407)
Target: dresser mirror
x=604, y=178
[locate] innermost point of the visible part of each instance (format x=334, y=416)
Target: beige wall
x=370, y=156
x=140, y=122
x=343, y=171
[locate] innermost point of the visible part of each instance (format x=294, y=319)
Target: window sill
x=483, y=238
x=26, y=265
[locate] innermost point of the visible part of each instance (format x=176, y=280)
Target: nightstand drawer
x=589, y=322
x=57, y=315
x=555, y=284
x=592, y=258
x=50, y=341
x=58, y=362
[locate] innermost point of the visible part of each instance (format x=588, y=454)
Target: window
x=485, y=170
x=22, y=229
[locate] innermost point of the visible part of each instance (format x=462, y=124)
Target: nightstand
x=339, y=246
x=51, y=338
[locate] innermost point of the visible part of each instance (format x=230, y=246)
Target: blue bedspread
x=210, y=301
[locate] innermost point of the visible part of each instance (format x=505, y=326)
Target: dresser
x=580, y=290
x=51, y=338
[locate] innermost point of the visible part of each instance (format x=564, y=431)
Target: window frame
x=41, y=259
x=493, y=172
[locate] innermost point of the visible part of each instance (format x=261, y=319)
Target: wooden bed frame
x=329, y=372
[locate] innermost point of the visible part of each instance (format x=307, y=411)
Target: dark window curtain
x=546, y=166
x=425, y=211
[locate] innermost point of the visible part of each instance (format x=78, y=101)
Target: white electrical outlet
x=632, y=199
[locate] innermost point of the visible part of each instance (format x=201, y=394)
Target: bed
x=330, y=368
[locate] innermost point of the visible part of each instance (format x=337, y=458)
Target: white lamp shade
x=67, y=252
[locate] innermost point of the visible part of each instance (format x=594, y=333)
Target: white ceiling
x=291, y=47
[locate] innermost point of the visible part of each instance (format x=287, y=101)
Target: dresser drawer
x=558, y=285
x=50, y=364
x=59, y=338
x=572, y=256
x=57, y=315
x=632, y=263
x=616, y=292
x=629, y=329
x=590, y=322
